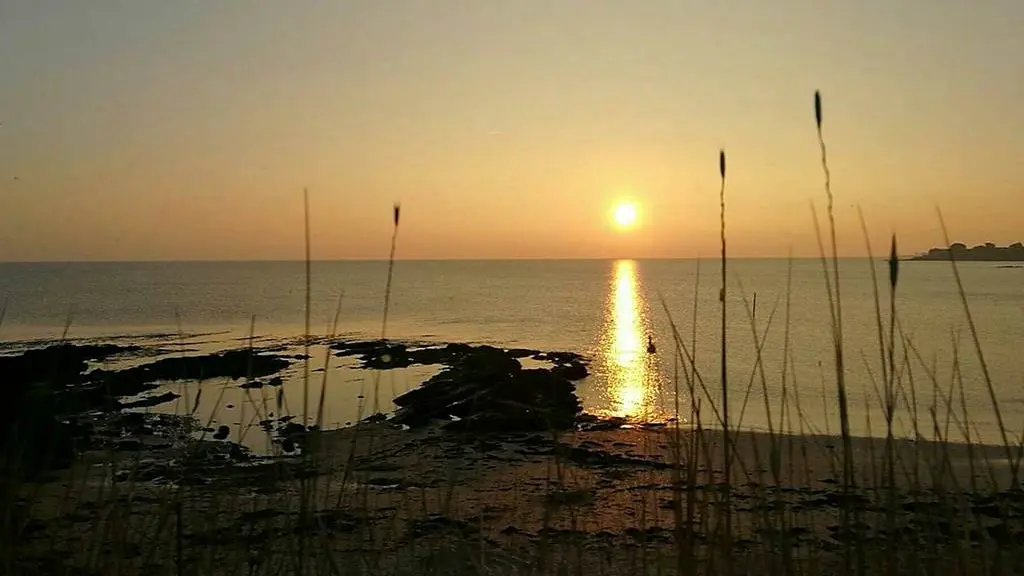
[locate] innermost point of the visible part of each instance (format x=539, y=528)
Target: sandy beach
x=467, y=476
x=608, y=500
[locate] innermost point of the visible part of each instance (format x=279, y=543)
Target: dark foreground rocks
x=486, y=389
x=59, y=364
x=387, y=354
x=481, y=388
x=238, y=363
x=36, y=383
x=50, y=392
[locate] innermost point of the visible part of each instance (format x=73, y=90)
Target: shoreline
x=131, y=351
x=408, y=494
x=599, y=486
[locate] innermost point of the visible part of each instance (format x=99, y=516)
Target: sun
x=624, y=215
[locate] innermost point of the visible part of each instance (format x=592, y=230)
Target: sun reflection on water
x=630, y=370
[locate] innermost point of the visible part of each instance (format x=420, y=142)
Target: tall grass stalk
x=887, y=362
x=396, y=218
x=305, y=495
x=890, y=388
x=976, y=340
x=327, y=361
x=835, y=304
x=724, y=368
x=307, y=311
x=348, y=469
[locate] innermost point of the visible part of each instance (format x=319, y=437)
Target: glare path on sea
x=631, y=372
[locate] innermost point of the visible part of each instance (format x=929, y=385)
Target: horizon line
x=382, y=259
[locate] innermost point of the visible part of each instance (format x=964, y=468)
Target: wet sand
x=608, y=500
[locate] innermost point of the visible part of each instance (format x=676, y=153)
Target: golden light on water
x=629, y=368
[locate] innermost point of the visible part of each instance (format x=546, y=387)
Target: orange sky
x=187, y=129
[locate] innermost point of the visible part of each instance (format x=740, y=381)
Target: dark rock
x=378, y=354
x=654, y=533
x=482, y=388
x=534, y=441
x=487, y=390
x=260, y=383
x=149, y=401
x=389, y=356
x=292, y=429
x=358, y=348
x=238, y=363
x=44, y=387
x=839, y=500
x=602, y=459
x=572, y=371
x=594, y=423
x=239, y=453
x=386, y=354
x=384, y=481
x=559, y=357
x=438, y=524
x=222, y=433
x=56, y=365
x=34, y=435
x=128, y=444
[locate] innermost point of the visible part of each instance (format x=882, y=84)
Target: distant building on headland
x=987, y=252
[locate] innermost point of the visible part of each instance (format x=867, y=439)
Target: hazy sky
x=187, y=129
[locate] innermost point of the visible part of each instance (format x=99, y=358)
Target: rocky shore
x=61, y=395
x=487, y=461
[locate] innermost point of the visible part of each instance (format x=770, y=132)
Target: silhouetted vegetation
x=987, y=252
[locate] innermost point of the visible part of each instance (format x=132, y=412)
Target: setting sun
x=624, y=216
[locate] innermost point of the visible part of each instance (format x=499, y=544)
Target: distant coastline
x=987, y=252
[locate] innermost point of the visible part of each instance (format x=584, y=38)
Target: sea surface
x=781, y=360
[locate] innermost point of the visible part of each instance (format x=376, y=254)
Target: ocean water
x=607, y=309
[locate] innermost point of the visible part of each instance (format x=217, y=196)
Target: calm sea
x=604, y=309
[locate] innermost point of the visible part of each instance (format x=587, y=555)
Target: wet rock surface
x=63, y=403
x=58, y=364
x=238, y=363
x=149, y=401
x=257, y=383
x=387, y=354
x=486, y=389
x=33, y=437
x=481, y=388
x=55, y=402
